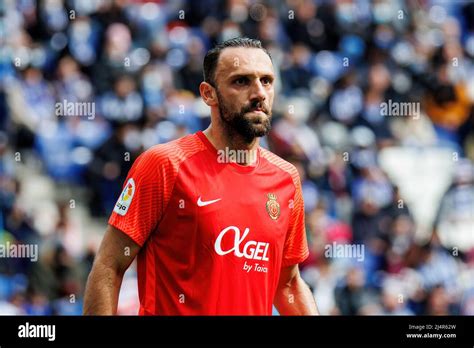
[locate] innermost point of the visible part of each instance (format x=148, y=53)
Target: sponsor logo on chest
x=251, y=249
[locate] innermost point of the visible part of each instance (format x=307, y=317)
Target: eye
x=241, y=81
x=266, y=81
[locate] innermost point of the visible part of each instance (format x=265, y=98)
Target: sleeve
x=296, y=246
x=139, y=207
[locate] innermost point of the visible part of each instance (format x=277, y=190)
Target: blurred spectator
x=124, y=104
x=439, y=303
x=352, y=297
x=110, y=166
x=323, y=280
x=114, y=60
x=455, y=216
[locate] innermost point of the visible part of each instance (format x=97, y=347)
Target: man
x=217, y=222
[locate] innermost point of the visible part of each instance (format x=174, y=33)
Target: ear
x=208, y=94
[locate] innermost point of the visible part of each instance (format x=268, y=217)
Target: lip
x=259, y=111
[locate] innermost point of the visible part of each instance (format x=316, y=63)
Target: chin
x=260, y=130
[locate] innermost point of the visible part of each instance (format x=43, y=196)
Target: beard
x=243, y=123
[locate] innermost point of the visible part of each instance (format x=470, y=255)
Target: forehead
x=243, y=60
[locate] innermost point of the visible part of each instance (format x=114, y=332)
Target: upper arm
x=117, y=250
x=140, y=206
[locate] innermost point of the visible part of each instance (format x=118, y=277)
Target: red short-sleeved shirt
x=214, y=235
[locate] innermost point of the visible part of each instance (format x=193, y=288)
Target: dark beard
x=237, y=123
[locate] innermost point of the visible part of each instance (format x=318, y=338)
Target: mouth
x=259, y=112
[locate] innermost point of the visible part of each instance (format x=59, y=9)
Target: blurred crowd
x=137, y=66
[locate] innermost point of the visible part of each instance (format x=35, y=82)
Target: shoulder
x=281, y=165
x=172, y=153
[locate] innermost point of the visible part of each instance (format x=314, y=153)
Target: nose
x=258, y=91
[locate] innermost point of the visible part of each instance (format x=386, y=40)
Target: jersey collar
x=244, y=169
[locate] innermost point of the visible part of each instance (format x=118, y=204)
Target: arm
x=293, y=296
x=115, y=255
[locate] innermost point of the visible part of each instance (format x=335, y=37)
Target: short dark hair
x=212, y=56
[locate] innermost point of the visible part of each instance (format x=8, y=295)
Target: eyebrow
x=238, y=75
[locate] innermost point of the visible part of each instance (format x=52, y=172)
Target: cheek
x=271, y=95
x=238, y=101
x=232, y=103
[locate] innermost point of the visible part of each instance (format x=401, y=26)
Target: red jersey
x=214, y=234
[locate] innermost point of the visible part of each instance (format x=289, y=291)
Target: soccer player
x=216, y=221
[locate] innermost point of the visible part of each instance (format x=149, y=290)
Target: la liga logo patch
x=123, y=203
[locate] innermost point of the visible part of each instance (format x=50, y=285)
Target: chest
x=232, y=212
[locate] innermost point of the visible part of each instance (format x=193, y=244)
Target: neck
x=224, y=140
